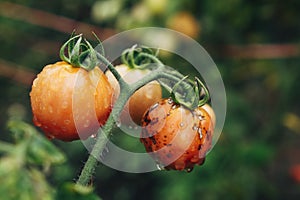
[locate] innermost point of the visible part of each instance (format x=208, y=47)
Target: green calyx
x=140, y=57
x=78, y=52
x=189, y=94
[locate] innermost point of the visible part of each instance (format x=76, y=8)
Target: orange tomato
x=141, y=100
x=185, y=23
x=176, y=137
x=70, y=103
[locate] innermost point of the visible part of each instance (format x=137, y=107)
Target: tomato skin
x=141, y=100
x=176, y=137
x=70, y=103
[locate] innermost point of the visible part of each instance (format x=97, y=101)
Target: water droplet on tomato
x=201, y=117
x=174, y=107
x=154, y=106
x=160, y=167
x=36, y=122
x=50, y=109
x=200, y=133
x=50, y=136
x=149, y=95
x=88, y=105
x=188, y=170
x=86, y=123
x=94, y=135
x=64, y=105
x=195, y=127
x=170, y=100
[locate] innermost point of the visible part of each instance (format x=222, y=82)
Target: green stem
x=104, y=133
x=112, y=69
x=126, y=91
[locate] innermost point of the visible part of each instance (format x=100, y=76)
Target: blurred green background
x=256, y=46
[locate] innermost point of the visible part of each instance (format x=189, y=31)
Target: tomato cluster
x=71, y=102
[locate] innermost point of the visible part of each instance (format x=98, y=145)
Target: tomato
x=141, y=100
x=69, y=103
x=185, y=23
x=176, y=137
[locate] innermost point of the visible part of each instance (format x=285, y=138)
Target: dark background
x=255, y=45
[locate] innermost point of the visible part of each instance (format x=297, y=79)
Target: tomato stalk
x=137, y=58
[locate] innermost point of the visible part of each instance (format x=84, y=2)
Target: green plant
x=184, y=93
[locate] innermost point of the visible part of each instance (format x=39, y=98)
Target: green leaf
x=42, y=151
x=39, y=149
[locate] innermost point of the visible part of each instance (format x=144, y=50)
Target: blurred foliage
x=261, y=138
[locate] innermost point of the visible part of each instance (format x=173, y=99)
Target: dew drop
x=86, y=124
x=154, y=106
x=188, y=170
x=94, y=135
x=89, y=105
x=50, y=109
x=200, y=133
x=37, y=123
x=64, y=105
x=160, y=167
x=170, y=100
x=118, y=124
x=50, y=137
x=67, y=122
x=201, y=117
x=174, y=107
x=130, y=127
x=195, y=127
x=149, y=95
x=181, y=124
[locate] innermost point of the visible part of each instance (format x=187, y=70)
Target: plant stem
x=126, y=92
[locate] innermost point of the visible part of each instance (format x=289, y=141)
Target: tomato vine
x=139, y=57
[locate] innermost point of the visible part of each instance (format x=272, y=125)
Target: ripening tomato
x=69, y=103
x=141, y=100
x=185, y=23
x=176, y=137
